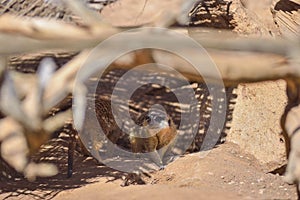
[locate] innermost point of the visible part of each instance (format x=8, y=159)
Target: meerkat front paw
x=134, y=178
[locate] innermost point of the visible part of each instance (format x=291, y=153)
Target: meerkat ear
x=169, y=122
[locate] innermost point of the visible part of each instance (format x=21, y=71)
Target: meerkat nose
x=164, y=124
x=162, y=167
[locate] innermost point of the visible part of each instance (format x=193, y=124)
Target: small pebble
x=261, y=191
x=231, y=182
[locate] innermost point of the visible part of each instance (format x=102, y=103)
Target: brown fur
x=158, y=144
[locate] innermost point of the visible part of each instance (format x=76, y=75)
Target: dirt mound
x=225, y=173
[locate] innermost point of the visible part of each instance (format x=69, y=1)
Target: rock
x=286, y=14
x=126, y=13
x=256, y=122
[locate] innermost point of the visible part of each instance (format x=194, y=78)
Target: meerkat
x=156, y=135
x=107, y=123
x=106, y=120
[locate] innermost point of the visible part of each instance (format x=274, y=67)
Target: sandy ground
x=225, y=173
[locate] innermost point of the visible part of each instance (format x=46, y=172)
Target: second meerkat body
x=105, y=121
x=156, y=135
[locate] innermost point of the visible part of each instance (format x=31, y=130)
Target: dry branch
x=22, y=36
x=62, y=81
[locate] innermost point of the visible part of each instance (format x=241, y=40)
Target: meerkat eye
x=169, y=122
x=159, y=119
x=147, y=119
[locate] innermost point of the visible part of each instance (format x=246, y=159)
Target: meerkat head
x=157, y=119
x=152, y=122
